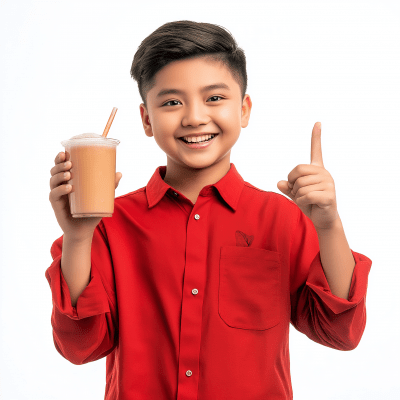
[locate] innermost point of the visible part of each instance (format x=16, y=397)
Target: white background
x=65, y=65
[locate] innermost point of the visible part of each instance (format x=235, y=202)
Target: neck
x=190, y=181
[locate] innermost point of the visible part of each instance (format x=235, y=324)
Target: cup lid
x=90, y=139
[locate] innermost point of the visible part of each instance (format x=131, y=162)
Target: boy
x=190, y=286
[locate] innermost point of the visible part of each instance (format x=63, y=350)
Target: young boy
x=190, y=287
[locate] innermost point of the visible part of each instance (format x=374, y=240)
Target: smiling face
x=194, y=109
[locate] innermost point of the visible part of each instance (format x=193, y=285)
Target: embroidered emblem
x=243, y=240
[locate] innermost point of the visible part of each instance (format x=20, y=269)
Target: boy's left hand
x=313, y=187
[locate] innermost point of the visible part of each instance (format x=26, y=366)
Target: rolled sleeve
x=315, y=311
x=358, y=289
x=92, y=301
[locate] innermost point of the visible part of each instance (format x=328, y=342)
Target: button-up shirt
x=194, y=301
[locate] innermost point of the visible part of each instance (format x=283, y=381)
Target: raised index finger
x=316, y=149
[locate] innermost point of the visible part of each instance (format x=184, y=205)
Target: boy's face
x=171, y=116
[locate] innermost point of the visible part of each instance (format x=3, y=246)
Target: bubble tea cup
x=93, y=159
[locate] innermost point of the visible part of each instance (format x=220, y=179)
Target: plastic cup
x=93, y=159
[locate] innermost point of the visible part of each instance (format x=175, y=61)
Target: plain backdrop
x=66, y=64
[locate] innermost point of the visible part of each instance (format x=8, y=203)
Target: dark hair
x=180, y=40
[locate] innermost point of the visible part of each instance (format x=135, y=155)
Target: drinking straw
x=109, y=122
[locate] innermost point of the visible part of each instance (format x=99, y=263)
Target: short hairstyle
x=180, y=40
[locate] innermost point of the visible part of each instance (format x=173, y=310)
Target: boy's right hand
x=79, y=229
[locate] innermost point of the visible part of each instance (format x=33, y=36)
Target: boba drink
x=93, y=159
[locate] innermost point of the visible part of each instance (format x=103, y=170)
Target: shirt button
x=195, y=291
x=176, y=194
x=197, y=216
x=188, y=372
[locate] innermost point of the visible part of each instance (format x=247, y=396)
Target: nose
x=195, y=115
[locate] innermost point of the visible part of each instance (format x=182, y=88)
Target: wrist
x=78, y=240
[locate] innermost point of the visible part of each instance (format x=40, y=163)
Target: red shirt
x=193, y=302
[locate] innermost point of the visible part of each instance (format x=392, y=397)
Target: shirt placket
x=192, y=300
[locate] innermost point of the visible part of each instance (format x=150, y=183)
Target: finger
x=58, y=192
x=284, y=188
x=316, y=149
x=292, y=176
x=58, y=174
x=118, y=176
x=61, y=167
x=304, y=184
x=301, y=170
x=306, y=180
x=316, y=196
x=59, y=157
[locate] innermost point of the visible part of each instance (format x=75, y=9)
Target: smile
x=200, y=145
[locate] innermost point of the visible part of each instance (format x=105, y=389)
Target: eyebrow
x=204, y=89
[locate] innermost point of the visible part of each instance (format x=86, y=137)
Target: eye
x=165, y=104
x=170, y=102
x=214, y=97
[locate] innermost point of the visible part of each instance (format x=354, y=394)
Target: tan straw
x=109, y=122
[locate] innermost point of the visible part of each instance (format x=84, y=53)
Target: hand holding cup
x=77, y=228
x=81, y=205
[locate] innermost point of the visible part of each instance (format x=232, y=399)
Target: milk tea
x=93, y=159
x=92, y=180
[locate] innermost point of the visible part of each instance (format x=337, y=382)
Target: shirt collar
x=229, y=187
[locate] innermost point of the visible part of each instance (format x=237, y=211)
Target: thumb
x=284, y=188
x=118, y=177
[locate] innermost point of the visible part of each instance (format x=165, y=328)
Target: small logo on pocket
x=243, y=240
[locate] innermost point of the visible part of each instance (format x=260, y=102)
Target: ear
x=146, y=120
x=246, y=109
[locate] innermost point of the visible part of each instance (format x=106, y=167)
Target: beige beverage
x=93, y=170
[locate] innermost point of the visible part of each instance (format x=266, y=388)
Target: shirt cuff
x=358, y=289
x=92, y=301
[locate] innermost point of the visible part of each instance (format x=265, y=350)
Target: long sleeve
x=86, y=332
x=323, y=317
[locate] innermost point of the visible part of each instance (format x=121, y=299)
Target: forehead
x=193, y=74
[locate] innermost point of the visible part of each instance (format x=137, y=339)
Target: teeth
x=198, y=138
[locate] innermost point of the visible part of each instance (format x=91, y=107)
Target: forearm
x=336, y=258
x=76, y=265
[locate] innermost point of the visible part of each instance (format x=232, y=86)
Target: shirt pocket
x=249, y=287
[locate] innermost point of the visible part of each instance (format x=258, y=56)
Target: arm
x=76, y=265
x=318, y=313
x=84, y=324
x=336, y=258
